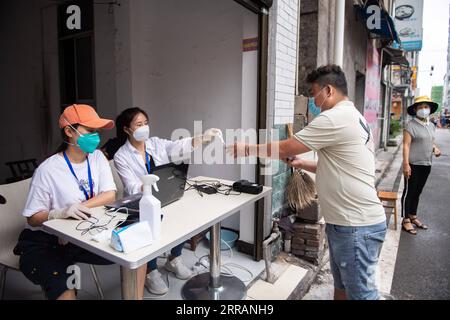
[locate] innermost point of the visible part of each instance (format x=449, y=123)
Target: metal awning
x=257, y=6
x=395, y=57
x=387, y=29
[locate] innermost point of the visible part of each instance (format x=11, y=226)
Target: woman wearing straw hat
x=418, y=149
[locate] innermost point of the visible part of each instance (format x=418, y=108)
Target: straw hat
x=422, y=100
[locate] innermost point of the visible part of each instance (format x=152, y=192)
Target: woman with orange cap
x=65, y=186
x=418, y=149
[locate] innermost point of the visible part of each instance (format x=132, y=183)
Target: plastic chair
x=12, y=224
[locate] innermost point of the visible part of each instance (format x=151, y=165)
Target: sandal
x=408, y=227
x=418, y=224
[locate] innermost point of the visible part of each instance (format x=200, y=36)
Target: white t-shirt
x=54, y=187
x=131, y=166
x=345, y=178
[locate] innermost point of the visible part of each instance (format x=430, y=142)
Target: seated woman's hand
x=76, y=211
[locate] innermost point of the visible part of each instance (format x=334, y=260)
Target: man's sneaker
x=155, y=283
x=176, y=266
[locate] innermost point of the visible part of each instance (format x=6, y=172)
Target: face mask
x=313, y=108
x=142, y=134
x=88, y=142
x=423, y=113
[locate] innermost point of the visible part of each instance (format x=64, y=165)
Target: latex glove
x=76, y=211
x=210, y=134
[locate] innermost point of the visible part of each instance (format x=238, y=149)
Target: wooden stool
x=391, y=199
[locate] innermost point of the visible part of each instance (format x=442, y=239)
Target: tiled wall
x=282, y=81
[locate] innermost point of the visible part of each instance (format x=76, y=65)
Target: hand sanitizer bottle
x=150, y=207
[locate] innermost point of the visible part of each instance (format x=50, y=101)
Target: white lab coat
x=131, y=166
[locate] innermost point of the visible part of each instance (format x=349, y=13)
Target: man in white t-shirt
x=356, y=222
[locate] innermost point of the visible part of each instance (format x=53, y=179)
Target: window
x=76, y=56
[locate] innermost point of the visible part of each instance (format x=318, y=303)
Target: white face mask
x=142, y=134
x=423, y=113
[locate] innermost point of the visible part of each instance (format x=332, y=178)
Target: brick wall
x=282, y=67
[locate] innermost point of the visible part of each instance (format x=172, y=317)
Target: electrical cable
x=98, y=228
x=225, y=268
x=220, y=187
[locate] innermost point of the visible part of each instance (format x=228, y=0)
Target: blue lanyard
x=79, y=183
x=149, y=163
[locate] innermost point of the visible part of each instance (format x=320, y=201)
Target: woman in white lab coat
x=138, y=155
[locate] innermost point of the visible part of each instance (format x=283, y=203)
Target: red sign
x=250, y=44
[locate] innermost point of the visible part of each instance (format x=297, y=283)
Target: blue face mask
x=313, y=109
x=89, y=142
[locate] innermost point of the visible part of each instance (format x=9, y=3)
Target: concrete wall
x=105, y=64
x=355, y=49
x=317, y=41
x=29, y=96
x=308, y=45
x=184, y=61
x=249, y=114
x=180, y=61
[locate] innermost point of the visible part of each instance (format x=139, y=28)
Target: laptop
x=171, y=185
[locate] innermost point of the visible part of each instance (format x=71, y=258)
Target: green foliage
x=395, y=128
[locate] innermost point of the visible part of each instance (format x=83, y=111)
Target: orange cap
x=84, y=115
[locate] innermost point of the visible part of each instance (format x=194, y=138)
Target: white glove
x=75, y=211
x=210, y=134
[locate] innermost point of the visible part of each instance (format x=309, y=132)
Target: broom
x=301, y=190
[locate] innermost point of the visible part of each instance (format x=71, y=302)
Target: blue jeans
x=175, y=252
x=354, y=253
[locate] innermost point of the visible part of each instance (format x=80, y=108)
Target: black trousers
x=45, y=262
x=413, y=189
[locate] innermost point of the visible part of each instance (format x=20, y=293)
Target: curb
x=305, y=284
x=387, y=166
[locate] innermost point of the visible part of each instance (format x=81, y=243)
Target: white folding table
x=183, y=219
